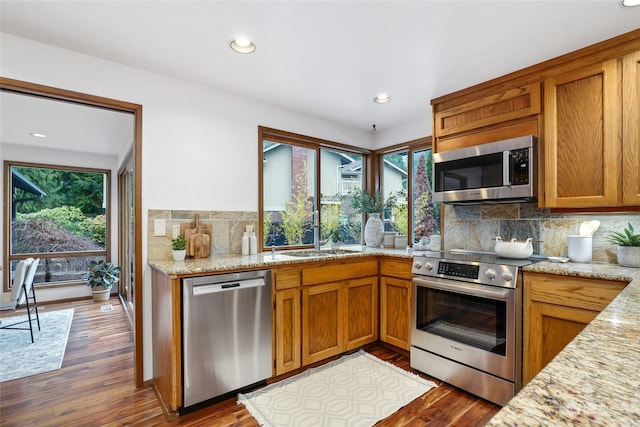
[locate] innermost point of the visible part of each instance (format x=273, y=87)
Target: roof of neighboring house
x=22, y=182
x=396, y=167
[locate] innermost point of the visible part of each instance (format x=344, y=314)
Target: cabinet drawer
x=495, y=108
x=337, y=271
x=286, y=278
x=396, y=267
x=589, y=294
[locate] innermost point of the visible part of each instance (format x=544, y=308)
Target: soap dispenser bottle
x=245, y=243
x=253, y=243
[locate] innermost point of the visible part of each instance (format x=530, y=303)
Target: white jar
x=253, y=243
x=245, y=243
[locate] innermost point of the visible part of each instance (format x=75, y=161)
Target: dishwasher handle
x=212, y=288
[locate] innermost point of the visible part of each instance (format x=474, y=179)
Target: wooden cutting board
x=201, y=244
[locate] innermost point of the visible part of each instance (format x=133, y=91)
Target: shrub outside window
x=59, y=214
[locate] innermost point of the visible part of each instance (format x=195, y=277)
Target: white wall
x=199, y=144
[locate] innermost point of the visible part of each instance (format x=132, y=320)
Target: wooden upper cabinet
x=631, y=129
x=592, y=136
x=582, y=110
x=474, y=121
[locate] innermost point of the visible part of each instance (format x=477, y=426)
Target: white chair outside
x=24, y=297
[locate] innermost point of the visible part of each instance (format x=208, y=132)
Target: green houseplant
x=101, y=277
x=178, y=248
x=628, y=243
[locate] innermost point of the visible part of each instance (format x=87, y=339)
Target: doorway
x=131, y=251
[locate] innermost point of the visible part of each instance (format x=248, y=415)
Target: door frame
x=26, y=88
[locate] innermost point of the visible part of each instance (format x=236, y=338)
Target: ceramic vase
x=629, y=256
x=373, y=230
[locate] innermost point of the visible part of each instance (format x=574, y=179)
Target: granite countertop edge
x=222, y=263
x=595, y=379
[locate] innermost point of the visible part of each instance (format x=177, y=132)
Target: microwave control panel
x=520, y=166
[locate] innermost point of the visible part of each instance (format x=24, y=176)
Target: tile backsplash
x=475, y=227
x=471, y=227
x=227, y=228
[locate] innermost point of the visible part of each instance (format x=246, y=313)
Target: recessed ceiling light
x=630, y=3
x=242, y=45
x=382, y=99
x=38, y=135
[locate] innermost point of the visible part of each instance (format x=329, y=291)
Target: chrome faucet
x=316, y=230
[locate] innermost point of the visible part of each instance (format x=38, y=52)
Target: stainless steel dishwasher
x=226, y=334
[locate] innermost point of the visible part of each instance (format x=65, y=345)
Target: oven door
x=471, y=324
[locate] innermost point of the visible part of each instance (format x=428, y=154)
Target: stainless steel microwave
x=503, y=171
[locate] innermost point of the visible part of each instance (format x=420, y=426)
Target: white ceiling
x=68, y=126
x=326, y=58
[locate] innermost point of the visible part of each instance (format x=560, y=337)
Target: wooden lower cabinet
x=395, y=312
x=322, y=331
x=337, y=317
x=287, y=331
x=322, y=310
x=395, y=302
x=556, y=309
x=362, y=312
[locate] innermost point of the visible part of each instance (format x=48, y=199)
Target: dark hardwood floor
x=95, y=386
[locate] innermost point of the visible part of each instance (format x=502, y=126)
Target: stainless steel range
x=467, y=322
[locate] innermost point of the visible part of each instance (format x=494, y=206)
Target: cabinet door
x=550, y=328
x=556, y=309
x=582, y=111
x=361, y=320
x=395, y=312
x=631, y=129
x=287, y=331
x=322, y=324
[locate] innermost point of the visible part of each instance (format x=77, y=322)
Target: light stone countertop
x=595, y=379
x=218, y=264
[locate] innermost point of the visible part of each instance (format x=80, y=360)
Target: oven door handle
x=459, y=287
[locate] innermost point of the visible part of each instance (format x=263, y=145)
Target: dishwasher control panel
x=227, y=286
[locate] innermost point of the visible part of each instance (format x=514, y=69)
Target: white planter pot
x=373, y=230
x=629, y=256
x=100, y=293
x=179, y=255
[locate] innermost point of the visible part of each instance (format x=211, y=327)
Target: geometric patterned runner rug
x=21, y=358
x=356, y=390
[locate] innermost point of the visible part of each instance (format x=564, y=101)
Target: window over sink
x=300, y=175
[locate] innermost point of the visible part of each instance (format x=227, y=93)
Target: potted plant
x=339, y=235
x=628, y=243
x=178, y=246
x=100, y=278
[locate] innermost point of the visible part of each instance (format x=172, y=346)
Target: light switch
x=159, y=227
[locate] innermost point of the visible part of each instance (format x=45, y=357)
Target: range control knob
x=490, y=273
x=428, y=266
x=507, y=277
x=417, y=265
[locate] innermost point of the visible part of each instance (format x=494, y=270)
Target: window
x=406, y=183
x=297, y=172
x=58, y=214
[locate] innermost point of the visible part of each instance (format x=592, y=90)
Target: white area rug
x=356, y=390
x=21, y=358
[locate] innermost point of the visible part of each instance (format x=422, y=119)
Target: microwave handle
x=506, y=168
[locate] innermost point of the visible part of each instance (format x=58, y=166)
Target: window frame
x=290, y=138
x=409, y=147
x=9, y=257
